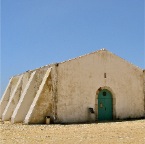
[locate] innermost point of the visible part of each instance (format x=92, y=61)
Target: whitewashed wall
x=66, y=90
x=80, y=78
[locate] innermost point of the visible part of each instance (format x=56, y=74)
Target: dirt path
x=128, y=132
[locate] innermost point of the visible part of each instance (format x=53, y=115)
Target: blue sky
x=38, y=32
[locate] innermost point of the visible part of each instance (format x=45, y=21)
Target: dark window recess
x=104, y=93
x=105, y=75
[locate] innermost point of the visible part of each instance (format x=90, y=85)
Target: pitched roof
x=103, y=49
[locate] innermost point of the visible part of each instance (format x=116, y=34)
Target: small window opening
x=105, y=75
x=104, y=93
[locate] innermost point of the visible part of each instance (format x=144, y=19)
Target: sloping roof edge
x=103, y=49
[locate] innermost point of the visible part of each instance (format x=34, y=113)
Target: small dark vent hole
x=104, y=75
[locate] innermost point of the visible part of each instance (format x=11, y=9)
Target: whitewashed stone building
x=99, y=86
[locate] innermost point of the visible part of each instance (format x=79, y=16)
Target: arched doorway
x=105, y=105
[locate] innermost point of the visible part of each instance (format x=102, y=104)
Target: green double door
x=105, y=108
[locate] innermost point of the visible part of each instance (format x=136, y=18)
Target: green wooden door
x=105, y=111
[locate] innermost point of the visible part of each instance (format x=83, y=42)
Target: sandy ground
x=127, y=132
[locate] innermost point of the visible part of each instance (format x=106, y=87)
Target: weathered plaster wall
x=28, y=94
x=42, y=103
x=66, y=90
x=7, y=94
x=54, y=78
x=15, y=95
x=25, y=80
x=13, y=100
x=79, y=80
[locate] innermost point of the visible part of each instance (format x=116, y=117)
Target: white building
x=99, y=86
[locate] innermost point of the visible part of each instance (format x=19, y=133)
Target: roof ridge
x=103, y=49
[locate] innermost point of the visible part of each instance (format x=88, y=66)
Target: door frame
x=113, y=102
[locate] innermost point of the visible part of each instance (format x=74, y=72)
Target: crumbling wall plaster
x=42, y=103
x=28, y=95
x=7, y=94
x=80, y=78
x=13, y=100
